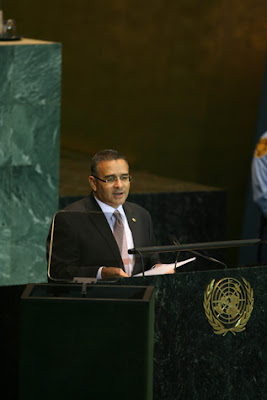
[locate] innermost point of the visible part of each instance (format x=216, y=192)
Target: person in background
x=259, y=189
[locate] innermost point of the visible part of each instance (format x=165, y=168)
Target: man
x=88, y=240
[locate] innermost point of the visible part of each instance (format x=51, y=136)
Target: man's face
x=114, y=193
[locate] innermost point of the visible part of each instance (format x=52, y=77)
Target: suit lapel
x=137, y=226
x=132, y=221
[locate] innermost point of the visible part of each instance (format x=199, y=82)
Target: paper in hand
x=164, y=268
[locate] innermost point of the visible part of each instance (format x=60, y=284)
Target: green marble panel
x=29, y=157
x=5, y=224
x=6, y=70
x=37, y=82
x=32, y=207
x=35, y=136
x=6, y=135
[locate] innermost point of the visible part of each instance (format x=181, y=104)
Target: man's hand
x=171, y=271
x=112, y=272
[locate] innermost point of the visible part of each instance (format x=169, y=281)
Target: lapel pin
x=133, y=219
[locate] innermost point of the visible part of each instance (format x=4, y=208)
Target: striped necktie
x=120, y=236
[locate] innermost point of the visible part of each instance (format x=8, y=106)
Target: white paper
x=164, y=268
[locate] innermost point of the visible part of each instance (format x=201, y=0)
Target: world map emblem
x=228, y=305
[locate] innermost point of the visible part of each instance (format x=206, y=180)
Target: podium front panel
x=95, y=345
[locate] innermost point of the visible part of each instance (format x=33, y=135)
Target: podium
x=190, y=360
x=94, y=342
x=59, y=340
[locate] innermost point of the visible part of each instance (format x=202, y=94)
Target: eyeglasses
x=113, y=178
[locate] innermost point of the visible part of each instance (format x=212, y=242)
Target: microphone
x=176, y=242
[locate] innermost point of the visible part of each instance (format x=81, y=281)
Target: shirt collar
x=108, y=210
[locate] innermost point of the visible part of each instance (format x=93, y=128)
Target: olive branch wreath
x=218, y=327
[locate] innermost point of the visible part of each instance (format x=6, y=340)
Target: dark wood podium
x=191, y=361
x=93, y=342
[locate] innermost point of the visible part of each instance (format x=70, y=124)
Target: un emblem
x=228, y=305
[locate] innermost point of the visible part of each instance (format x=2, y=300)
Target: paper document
x=164, y=268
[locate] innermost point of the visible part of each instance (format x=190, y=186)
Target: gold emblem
x=228, y=305
x=261, y=148
x=133, y=219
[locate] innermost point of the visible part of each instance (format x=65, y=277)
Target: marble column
x=30, y=86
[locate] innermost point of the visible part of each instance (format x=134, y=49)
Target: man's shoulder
x=133, y=207
x=85, y=204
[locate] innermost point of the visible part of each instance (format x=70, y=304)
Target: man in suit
x=83, y=241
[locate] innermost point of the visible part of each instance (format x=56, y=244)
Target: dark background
x=175, y=85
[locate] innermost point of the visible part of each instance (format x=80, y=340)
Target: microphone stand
x=191, y=247
x=196, y=253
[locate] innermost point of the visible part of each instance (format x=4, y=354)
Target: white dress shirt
x=108, y=212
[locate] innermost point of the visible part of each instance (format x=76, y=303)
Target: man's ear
x=91, y=180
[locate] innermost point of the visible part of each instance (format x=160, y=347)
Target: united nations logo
x=228, y=305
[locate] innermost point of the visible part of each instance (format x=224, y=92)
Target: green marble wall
x=30, y=86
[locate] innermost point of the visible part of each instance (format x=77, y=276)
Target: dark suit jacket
x=83, y=240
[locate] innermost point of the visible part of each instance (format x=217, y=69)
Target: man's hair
x=105, y=155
